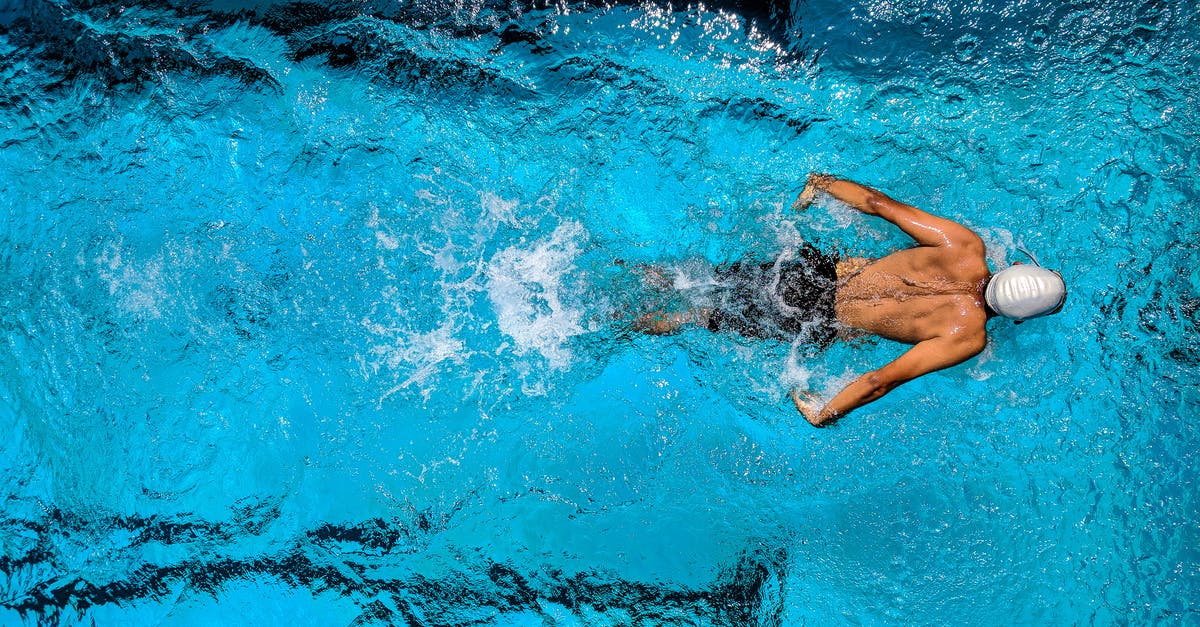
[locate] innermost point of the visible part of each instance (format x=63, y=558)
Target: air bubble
x=1149, y=109
x=965, y=48
x=1038, y=36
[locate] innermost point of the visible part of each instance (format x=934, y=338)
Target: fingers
x=805, y=396
x=805, y=199
x=816, y=182
x=820, y=181
x=804, y=401
x=808, y=405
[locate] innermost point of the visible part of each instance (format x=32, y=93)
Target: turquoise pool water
x=313, y=314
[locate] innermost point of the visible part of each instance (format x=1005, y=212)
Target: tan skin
x=929, y=296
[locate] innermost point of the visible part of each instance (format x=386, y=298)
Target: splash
x=692, y=274
x=499, y=209
x=796, y=374
x=998, y=242
x=137, y=287
x=526, y=288
x=419, y=355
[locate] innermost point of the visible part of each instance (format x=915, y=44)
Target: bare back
x=915, y=294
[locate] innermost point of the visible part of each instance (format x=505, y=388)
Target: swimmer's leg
x=654, y=277
x=663, y=323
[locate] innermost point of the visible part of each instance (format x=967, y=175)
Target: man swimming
x=936, y=296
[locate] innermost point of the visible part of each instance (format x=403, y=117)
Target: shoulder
x=965, y=239
x=971, y=340
x=963, y=330
x=967, y=253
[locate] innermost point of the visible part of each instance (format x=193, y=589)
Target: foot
x=659, y=323
x=654, y=276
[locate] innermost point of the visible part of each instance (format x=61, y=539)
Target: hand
x=805, y=198
x=816, y=183
x=809, y=406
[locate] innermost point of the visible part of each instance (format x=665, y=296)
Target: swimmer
x=936, y=296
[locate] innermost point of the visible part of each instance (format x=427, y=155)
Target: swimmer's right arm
x=927, y=356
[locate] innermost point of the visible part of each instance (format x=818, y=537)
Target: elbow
x=970, y=344
x=877, y=386
x=973, y=245
x=874, y=203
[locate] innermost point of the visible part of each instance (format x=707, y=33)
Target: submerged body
x=789, y=298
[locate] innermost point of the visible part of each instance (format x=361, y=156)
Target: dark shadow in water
x=97, y=39
x=78, y=48
x=340, y=559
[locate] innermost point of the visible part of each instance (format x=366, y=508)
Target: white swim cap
x=1022, y=292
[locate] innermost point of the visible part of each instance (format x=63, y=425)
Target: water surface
x=313, y=314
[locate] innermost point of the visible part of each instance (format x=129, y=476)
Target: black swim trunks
x=780, y=300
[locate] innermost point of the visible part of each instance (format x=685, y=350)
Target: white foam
x=413, y=358
x=383, y=235
x=998, y=242
x=980, y=370
x=691, y=275
x=418, y=354
x=137, y=287
x=499, y=209
x=445, y=259
x=526, y=288
x=796, y=374
x=823, y=210
x=818, y=381
x=834, y=384
x=787, y=234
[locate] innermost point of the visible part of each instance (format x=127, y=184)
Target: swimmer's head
x=1022, y=292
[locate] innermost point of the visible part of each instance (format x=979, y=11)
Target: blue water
x=314, y=314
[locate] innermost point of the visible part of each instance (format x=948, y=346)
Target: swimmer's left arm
x=928, y=356
x=926, y=228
